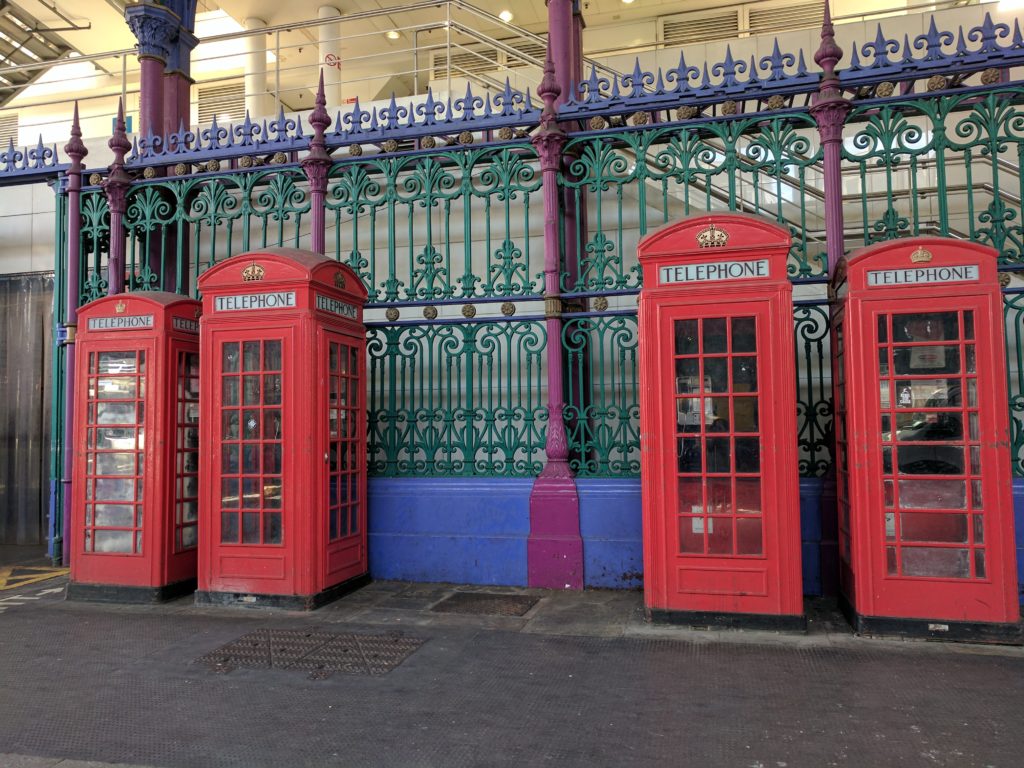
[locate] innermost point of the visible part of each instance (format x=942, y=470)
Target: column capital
x=155, y=28
x=180, y=58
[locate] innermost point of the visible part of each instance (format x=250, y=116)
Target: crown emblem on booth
x=339, y=280
x=120, y=307
x=920, y=255
x=712, y=237
x=253, y=272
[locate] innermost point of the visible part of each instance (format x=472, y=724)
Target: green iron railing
x=453, y=224
x=457, y=398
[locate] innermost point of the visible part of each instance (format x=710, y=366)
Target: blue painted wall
x=1018, y=527
x=461, y=530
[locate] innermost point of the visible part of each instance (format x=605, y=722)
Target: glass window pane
x=933, y=561
x=122, y=489
x=716, y=374
x=229, y=425
x=189, y=537
x=716, y=454
x=748, y=454
x=688, y=454
x=748, y=495
x=250, y=527
x=925, y=326
x=926, y=359
x=968, y=324
x=251, y=425
x=272, y=459
x=229, y=357
x=229, y=459
x=713, y=335
x=117, y=388
x=229, y=390
x=251, y=389
x=112, y=541
x=272, y=389
x=691, y=535
x=687, y=375
x=719, y=496
x=229, y=527
x=979, y=563
x=117, y=362
x=229, y=492
x=691, y=498
x=272, y=528
x=744, y=374
x=748, y=536
x=979, y=529
x=251, y=459
x=920, y=427
x=933, y=494
x=115, y=515
x=719, y=535
x=251, y=492
x=883, y=328
x=115, y=463
x=744, y=336
x=686, y=338
x=115, y=413
x=883, y=361
x=745, y=414
x=250, y=356
x=272, y=492
x=272, y=424
x=970, y=365
x=932, y=526
x=272, y=355
x=931, y=460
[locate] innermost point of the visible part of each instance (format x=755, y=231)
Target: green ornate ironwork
x=447, y=225
x=95, y=245
x=945, y=165
x=457, y=399
x=631, y=181
x=602, y=416
x=813, y=388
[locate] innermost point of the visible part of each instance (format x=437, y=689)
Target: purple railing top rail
x=989, y=45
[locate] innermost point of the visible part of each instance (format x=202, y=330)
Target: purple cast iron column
x=829, y=111
x=74, y=149
x=178, y=82
x=316, y=165
x=554, y=548
x=561, y=45
x=116, y=188
x=156, y=29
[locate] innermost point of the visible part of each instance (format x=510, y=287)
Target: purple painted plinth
x=554, y=550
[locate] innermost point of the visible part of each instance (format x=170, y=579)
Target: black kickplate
x=319, y=653
x=486, y=603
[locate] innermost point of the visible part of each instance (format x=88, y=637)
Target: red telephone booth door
x=941, y=482
x=720, y=539
x=344, y=490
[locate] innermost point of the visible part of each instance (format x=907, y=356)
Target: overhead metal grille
x=227, y=102
x=739, y=20
x=23, y=41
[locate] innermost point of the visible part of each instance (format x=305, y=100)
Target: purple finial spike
x=908, y=56
x=75, y=148
x=659, y=85
x=319, y=118
x=119, y=143
x=549, y=89
x=1018, y=42
x=828, y=53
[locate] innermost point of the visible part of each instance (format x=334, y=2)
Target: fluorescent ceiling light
x=505, y=16
x=393, y=34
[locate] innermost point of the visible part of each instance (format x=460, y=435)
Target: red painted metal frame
x=306, y=562
x=866, y=584
x=768, y=584
x=159, y=563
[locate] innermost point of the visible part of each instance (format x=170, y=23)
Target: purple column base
x=554, y=550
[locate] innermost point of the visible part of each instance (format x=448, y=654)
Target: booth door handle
x=325, y=456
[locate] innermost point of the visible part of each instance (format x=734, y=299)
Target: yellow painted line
x=17, y=576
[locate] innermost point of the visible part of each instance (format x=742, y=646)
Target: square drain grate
x=486, y=603
x=321, y=654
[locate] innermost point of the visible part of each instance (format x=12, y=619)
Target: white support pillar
x=330, y=55
x=257, y=101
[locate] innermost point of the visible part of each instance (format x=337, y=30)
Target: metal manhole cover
x=319, y=653
x=486, y=603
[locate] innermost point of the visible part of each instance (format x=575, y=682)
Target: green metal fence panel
x=445, y=225
x=95, y=245
x=632, y=181
x=457, y=398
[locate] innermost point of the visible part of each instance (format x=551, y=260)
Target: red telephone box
x=922, y=441
x=718, y=463
x=135, y=488
x=283, y=396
